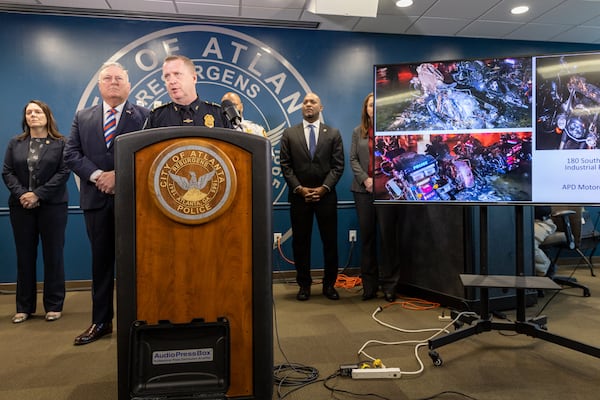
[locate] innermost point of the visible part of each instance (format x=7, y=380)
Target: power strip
x=376, y=373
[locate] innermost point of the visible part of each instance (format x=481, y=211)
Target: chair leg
x=587, y=261
x=571, y=282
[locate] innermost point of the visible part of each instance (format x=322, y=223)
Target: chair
x=570, y=235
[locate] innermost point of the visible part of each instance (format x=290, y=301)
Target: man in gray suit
x=90, y=154
x=312, y=160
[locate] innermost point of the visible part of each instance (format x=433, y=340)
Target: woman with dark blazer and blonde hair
x=36, y=176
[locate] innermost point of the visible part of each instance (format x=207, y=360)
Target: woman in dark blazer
x=375, y=271
x=36, y=176
x=362, y=190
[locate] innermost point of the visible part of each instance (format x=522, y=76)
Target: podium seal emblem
x=192, y=181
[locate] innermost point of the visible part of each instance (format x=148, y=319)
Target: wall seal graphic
x=226, y=60
x=192, y=181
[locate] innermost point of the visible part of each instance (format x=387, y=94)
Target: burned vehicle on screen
x=568, y=107
x=464, y=172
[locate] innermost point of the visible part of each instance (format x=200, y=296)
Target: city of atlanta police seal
x=192, y=181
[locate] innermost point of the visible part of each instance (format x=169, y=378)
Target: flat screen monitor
x=516, y=130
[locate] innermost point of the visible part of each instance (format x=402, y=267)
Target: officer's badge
x=209, y=121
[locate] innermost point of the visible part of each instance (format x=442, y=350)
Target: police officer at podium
x=186, y=108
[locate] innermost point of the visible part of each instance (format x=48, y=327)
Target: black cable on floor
x=347, y=264
x=556, y=292
x=334, y=390
x=291, y=374
x=448, y=392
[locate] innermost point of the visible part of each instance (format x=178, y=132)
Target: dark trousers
x=390, y=219
x=100, y=226
x=302, y=215
x=48, y=222
x=367, y=224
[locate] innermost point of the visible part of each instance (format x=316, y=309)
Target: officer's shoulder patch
x=212, y=103
x=162, y=106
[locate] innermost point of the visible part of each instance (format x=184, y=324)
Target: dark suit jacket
x=325, y=168
x=359, y=160
x=86, y=149
x=51, y=171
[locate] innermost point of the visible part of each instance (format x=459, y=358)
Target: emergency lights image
x=467, y=167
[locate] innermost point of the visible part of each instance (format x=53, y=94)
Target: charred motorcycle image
x=478, y=94
x=579, y=121
x=467, y=171
x=568, y=108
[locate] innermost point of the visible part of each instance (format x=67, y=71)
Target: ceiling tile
x=489, y=29
x=211, y=2
x=437, y=26
x=208, y=9
x=537, y=32
x=575, y=34
x=593, y=22
x=290, y=14
x=385, y=24
x=331, y=22
x=460, y=8
x=156, y=6
x=99, y=4
x=299, y=4
x=553, y=20
x=388, y=7
x=501, y=12
x=571, y=12
x=21, y=2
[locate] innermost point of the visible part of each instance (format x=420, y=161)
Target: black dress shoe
x=303, y=294
x=93, y=333
x=390, y=297
x=331, y=293
x=368, y=296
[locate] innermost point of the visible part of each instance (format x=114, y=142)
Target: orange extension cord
x=343, y=281
x=350, y=282
x=347, y=282
x=413, y=303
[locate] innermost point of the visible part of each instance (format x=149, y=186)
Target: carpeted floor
x=40, y=362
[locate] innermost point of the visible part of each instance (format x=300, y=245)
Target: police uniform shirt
x=198, y=113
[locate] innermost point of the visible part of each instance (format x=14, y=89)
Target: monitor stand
x=534, y=327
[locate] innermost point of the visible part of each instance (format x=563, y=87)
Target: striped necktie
x=110, y=126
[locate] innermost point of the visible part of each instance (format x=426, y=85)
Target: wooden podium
x=193, y=231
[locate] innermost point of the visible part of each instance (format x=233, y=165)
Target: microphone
x=231, y=113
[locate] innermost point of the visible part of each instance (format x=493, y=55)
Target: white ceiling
x=547, y=20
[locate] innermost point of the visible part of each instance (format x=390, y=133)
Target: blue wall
x=55, y=59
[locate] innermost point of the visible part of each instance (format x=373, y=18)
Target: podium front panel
x=194, y=242
x=198, y=271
